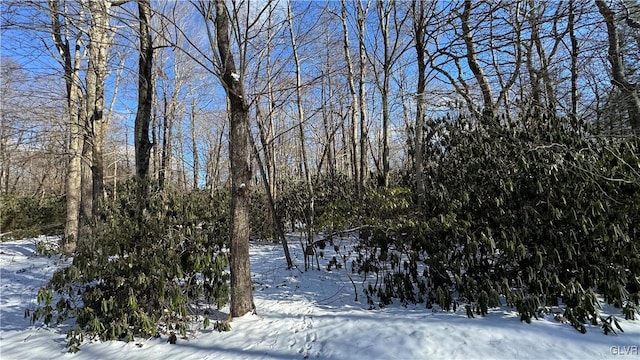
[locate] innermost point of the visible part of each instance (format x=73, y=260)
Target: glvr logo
x=625, y=350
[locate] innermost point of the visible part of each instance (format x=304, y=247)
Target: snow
x=305, y=315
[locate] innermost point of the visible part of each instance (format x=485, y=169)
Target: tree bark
x=154, y=166
x=239, y=152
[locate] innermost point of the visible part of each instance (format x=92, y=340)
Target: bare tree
x=32, y=162
x=393, y=49
x=100, y=40
x=422, y=13
x=299, y=104
x=489, y=110
x=361, y=18
x=145, y=95
x=226, y=25
x=267, y=126
x=71, y=63
x=301, y=120
x=574, y=61
x=194, y=143
x=241, y=288
x=354, y=111
x=328, y=108
x=265, y=88
x=170, y=87
x=628, y=89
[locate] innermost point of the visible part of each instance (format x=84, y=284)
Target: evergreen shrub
x=533, y=213
x=26, y=216
x=144, y=274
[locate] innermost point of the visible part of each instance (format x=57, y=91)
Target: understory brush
x=144, y=274
x=26, y=216
x=536, y=213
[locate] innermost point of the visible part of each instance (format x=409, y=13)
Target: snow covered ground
x=306, y=315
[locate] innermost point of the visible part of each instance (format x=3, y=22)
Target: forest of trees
x=476, y=140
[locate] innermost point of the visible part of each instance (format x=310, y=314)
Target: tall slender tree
x=574, y=60
x=69, y=48
x=489, y=110
x=231, y=78
x=145, y=97
x=361, y=19
x=628, y=89
x=421, y=17
x=300, y=107
x=391, y=24
x=354, y=111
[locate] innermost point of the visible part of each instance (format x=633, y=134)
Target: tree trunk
x=629, y=90
x=543, y=70
x=167, y=131
x=155, y=144
x=213, y=162
x=489, y=111
x=419, y=25
x=267, y=131
x=194, y=144
x=300, y=108
x=303, y=149
x=86, y=203
x=364, y=125
x=392, y=50
x=71, y=68
x=279, y=228
x=328, y=111
x=239, y=151
x=574, y=63
x=100, y=40
x=385, y=127
x=5, y=158
x=180, y=164
x=268, y=141
x=353, y=127
x=145, y=94
x=328, y=126
x=536, y=97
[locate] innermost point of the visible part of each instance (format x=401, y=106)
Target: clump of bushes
x=532, y=213
x=145, y=274
x=26, y=216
